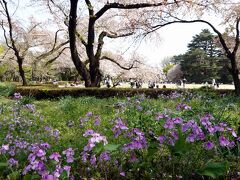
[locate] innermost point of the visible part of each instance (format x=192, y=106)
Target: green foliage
x=6, y=89
x=167, y=67
x=213, y=169
x=204, y=60
x=156, y=161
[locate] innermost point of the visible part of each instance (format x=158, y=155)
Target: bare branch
x=30, y=30
x=42, y=56
x=110, y=35
x=237, y=37
x=58, y=7
x=118, y=64
x=80, y=37
x=55, y=39
x=116, y=5
x=5, y=36
x=53, y=59
x=220, y=36
x=90, y=7
x=13, y=46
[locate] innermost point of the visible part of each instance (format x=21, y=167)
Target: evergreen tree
x=204, y=60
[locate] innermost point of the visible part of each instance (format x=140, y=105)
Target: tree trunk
x=21, y=71
x=95, y=73
x=235, y=74
x=81, y=68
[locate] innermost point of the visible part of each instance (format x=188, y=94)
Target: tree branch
x=5, y=36
x=13, y=46
x=237, y=37
x=116, y=5
x=53, y=59
x=51, y=51
x=109, y=35
x=55, y=38
x=57, y=6
x=118, y=64
x=220, y=36
x=80, y=37
x=30, y=30
x=90, y=7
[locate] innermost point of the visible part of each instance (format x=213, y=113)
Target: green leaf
x=31, y=177
x=213, y=169
x=98, y=148
x=181, y=146
x=111, y=147
x=3, y=164
x=13, y=176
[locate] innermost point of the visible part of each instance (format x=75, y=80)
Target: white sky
x=173, y=38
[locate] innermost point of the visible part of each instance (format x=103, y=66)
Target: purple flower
x=104, y=156
x=223, y=141
x=89, y=114
x=122, y=174
x=208, y=145
x=174, y=134
x=211, y=130
x=47, y=128
x=88, y=132
x=31, y=107
x=84, y=156
x=177, y=120
x=182, y=106
x=45, y=145
x=12, y=162
x=56, y=133
x=191, y=138
x=55, y=156
x=97, y=121
x=58, y=171
x=41, y=153
x=17, y=96
x=161, y=139
x=169, y=124
x=93, y=160
x=231, y=144
x=67, y=168
x=133, y=157
x=119, y=127
x=69, y=154
x=160, y=116
x=4, y=148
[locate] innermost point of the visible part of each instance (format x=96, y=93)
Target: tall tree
x=204, y=60
x=97, y=30
x=21, y=40
x=12, y=44
x=230, y=11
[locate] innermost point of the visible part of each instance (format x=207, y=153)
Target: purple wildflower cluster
x=95, y=138
x=119, y=127
x=22, y=140
x=182, y=106
x=89, y=116
x=203, y=132
x=138, y=140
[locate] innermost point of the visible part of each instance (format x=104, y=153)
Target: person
x=138, y=84
x=184, y=82
x=213, y=83
x=132, y=83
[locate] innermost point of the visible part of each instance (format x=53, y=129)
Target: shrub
x=6, y=89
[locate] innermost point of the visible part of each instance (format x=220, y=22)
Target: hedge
x=43, y=92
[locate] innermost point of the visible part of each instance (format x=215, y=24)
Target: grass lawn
x=181, y=136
